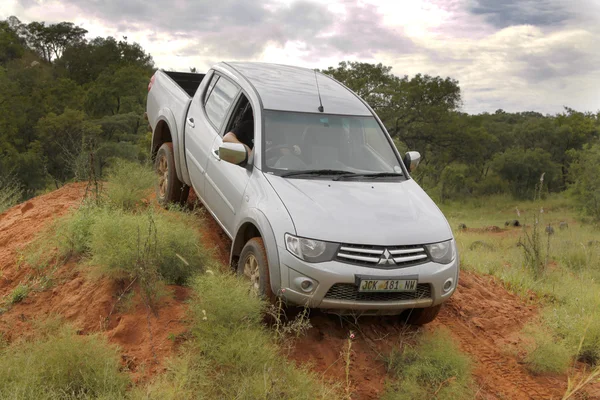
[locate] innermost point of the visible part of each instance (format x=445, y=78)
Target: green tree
x=585, y=176
x=11, y=45
x=66, y=139
x=523, y=169
x=51, y=41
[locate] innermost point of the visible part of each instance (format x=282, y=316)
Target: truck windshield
x=320, y=142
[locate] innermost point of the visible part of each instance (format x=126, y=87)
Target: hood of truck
x=357, y=212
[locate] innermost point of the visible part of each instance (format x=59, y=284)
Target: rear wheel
x=169, y=189
x=422, y=316
x=254, y=266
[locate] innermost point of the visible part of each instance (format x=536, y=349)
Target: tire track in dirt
x=486, y=320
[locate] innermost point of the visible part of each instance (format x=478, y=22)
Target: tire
x=422, y=316
x=169, y=188
x=254, y=256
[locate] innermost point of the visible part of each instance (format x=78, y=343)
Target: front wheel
x=254, y=266
x=422, y=316
x=169, y=189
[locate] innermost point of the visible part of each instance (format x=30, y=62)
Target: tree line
x=64, y=97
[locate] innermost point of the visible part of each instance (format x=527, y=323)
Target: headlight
x=310, y=250
x=443, y=252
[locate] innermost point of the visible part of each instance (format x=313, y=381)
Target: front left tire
x=254, y=266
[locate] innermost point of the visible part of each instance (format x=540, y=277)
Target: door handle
x=190, y=122
x=215, y=154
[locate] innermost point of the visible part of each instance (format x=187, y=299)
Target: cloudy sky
x=516, y=55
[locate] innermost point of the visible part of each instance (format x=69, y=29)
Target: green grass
x=129, y=183
x=166, y=243
x=19, y=294
x=433, y=368
x=10, y=192
x=61, y=365
x=569, y=288
x=546, y=353
x=233, y=356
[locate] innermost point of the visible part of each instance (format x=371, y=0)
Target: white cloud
x=505, y=53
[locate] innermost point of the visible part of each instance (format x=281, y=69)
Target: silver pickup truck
x=303, y=177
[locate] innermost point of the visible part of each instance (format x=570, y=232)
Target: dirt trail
x=482, y=316
x=145, y=338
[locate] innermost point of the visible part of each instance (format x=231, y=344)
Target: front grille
x=381, y=256
x=349, y=291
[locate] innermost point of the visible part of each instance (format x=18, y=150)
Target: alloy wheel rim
x=251, y=271
x=163, y=176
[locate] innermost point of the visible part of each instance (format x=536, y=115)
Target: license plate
x=387, y=285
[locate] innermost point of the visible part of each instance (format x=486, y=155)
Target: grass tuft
x=234, y=354
x=129, y=183
x=546, y=354
x=434, y=368
x=61, y=365
x=19, y=294
x=11, y=192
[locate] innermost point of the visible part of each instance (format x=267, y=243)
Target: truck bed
x=188, y=81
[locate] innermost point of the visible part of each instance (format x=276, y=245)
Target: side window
x=211, y=86
x=220, y=100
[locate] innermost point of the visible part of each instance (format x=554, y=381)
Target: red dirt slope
x=145, y=339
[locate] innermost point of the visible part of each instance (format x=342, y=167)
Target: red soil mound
x=145, y=338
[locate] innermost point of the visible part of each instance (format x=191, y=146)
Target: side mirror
x=411, y=160
x=234, y=153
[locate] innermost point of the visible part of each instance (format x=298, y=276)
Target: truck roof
x=289, y=88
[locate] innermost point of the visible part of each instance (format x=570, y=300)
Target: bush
x=435, y=365
x=61, y=366
x=10, y=192
x=523, y=168
x=119, y=242
x=19, y=294
x=128, y=183
x=585, y=175
x=546, y=354
x=234, y=355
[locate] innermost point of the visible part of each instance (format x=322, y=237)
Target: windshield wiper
x=316, y=172
x=369, y=175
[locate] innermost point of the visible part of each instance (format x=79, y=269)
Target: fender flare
x=260, y=221
x=166, y=115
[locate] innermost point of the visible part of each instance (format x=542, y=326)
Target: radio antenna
x=321, y=109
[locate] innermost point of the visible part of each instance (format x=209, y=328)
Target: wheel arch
x=254, y=225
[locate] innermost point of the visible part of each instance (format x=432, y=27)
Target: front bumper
x=327, y=274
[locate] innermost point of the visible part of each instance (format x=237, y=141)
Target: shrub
x=19, y=294
x=62, y=365
x=546, y=354
x=585, y=175
x=234, y=356
x=119, y=242
x=434, y=366
x=10, y=192
x=523, y=168
x=128, y=183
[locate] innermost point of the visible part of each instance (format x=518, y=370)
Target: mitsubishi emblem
x=386, y=258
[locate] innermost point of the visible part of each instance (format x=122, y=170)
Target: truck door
x=226, y=182
x=203, y=123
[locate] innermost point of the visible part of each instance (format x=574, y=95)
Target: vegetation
x=434, y=368
x=567, y=289
x=234, y=354
x=61, y=365
x=10, y=193
x=65, y=100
